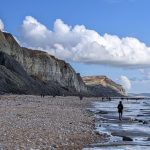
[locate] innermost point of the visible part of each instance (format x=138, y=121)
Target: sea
x=130, y=133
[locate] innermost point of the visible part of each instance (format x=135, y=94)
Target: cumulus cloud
x=125, y=82
x=1, y=25
x=80, y=44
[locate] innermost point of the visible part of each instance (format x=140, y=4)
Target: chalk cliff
x=37, y=71
x=42, y=66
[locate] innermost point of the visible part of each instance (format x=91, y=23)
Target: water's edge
x=133, y=132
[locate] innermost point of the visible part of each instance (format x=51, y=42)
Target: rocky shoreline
x=32, y=122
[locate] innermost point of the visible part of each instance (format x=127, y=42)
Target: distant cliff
x=103, y=86
x=33, y=72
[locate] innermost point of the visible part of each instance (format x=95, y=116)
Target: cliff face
x=45, y=67
x=41, y=65
x=103, y=86
x=32, y=71
x=14, y=79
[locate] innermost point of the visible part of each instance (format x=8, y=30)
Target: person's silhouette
x=120, y=110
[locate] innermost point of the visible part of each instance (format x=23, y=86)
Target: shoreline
x=32, y=122
x=130, y=133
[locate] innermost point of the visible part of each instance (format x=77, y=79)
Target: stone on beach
x=125, y=138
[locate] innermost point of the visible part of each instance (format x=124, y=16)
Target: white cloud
x=125, y=82
x=1, y=25
x=83, y=45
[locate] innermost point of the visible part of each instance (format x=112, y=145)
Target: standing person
x=120, y=110
x=81, y=97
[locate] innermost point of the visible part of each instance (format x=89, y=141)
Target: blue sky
x=122, y=18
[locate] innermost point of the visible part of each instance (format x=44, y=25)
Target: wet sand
x=32, y=122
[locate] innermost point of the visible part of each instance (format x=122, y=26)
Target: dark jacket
x=120, y=107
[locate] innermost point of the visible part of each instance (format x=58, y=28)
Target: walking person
x=120, y=110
